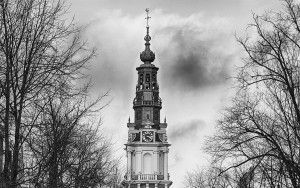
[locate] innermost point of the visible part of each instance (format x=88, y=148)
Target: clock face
x=147, y=136
x=133, y=136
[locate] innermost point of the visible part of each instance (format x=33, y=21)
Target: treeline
x=49, y=125
x=257, y=143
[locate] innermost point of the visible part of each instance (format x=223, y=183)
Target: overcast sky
x=195, y=51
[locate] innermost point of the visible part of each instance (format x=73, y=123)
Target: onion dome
x=147, y=56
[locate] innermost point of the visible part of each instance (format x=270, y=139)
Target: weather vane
x=147, y=18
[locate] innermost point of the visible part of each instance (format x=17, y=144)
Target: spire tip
x=147, y=56
x=148, y=17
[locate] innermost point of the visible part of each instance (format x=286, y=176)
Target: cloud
x=112, y=34
x=194, y=64
x=192, y=60
x=192, y=52
x=186, y=130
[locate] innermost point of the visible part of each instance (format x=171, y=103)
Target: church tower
x=147, y=145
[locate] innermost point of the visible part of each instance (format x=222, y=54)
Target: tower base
x=146, y=184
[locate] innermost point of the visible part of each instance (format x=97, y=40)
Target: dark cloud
x=188, y=130
x=193, y=61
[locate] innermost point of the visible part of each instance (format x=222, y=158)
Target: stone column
x=147, y=185
x=139, y=161
x=155, y=162
x=156, y=185
x=166, y=185
x=129, y=164
x=138, y=185
x=166, y=165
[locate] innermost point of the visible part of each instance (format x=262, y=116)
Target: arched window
x=141, y=78
x=147, y=77
x=147, y=163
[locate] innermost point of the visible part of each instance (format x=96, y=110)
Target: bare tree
x=212, y=177
x=261, y=127
x=67, y=149
x=39, y=47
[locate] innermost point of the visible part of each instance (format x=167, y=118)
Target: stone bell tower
x=147, y=145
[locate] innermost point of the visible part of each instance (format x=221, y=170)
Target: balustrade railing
x=139, y=103
x=146, y=177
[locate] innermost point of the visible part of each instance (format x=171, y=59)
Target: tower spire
x=147, y=136
x=147, y=56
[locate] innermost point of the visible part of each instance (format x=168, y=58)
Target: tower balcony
x=145, y=177
x=147, y=103
x=151, y=180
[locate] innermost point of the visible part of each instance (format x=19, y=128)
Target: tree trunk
x=16, y=155
x=1, y=158
x=6, y=131
x=1, y=151
x=53, y=171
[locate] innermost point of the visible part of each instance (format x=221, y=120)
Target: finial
x=147, y=56
x=147, y=37
x=129, y=119
x=147, y=18
x=165, y=120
